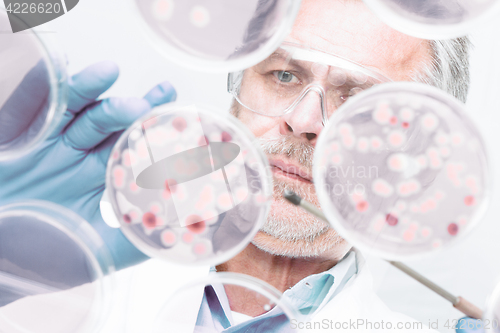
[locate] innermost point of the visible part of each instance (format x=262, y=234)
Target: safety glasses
x=275, y=86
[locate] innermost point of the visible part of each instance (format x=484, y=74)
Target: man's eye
x=284, y=76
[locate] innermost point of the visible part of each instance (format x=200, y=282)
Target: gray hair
x=449, y=67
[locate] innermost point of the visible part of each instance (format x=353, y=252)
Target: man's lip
x=291, y=169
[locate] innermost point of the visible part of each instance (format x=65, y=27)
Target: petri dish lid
x=33, y=91
x=401, y=171
x=188, y=185
x=431, y=19
x=491, y=320
x=52, y=268
x=216, y=35
x=252, y=300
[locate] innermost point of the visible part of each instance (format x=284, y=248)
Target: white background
x=105, y=30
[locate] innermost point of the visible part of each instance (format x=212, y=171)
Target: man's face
x=347, y=29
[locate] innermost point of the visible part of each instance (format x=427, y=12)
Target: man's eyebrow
x=286, y=57
x=278, y=54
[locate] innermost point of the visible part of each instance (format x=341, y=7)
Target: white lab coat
x=357, y=300
x=141, y=292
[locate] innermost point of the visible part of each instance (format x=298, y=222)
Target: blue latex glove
x=69, y=167
x=23, y=114
x=469, y=325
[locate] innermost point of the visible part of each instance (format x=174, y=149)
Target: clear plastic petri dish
x=491, y=320
x=55, y=271
x=216, y=35
x=188, y=185
x=401, y=171
x=221, y=300
x=33, y=90
x=434, y=19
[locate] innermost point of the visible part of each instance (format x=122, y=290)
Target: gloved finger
x=161, y=94
x=97, y=123
x=86, y=86
x=27, y=102
x=103, y=150
x=111, y=115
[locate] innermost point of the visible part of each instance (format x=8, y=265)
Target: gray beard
x=298, y=229
x=297, y=224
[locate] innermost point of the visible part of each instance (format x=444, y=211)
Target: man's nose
x=305, y=121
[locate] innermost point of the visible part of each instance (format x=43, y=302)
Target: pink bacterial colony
x=147, y=211
x=438, y=157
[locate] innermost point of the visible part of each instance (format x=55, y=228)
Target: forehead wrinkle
x=350, y=30
x=288, y=62
x=325, y=45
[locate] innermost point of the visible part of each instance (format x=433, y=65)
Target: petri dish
x=401, y=171
x=255, y=306
x=33, y=92
x=431, y=19
x=188, y=185
x=491, y=321
x=52, y=271
x=216, y=35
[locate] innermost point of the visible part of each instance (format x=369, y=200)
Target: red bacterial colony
x=452, y=229
x=197, y=227
x=469, y=200
x=149, y=220
x=168, y=183
x=169, y=237
x=362, y=206
x=391, y=219
x=393, y=120
x=226, y=137
x=405, y=124
x=179, y=124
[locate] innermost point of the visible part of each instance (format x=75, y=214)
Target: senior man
x=294, y=249
x=294, y=252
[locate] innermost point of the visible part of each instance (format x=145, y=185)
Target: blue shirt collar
x=308, y=295
x=316, y=290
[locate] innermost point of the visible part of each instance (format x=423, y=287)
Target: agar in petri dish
x=263, y=309
x=401, y=170
x=188, y=185
x=55, y=271
x=216, y=35
x=432, y=19
x=33, y=92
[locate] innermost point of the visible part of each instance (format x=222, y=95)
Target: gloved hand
x=69, y=167
x=469, y=325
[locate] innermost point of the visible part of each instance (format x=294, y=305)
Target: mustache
x=300, y=152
